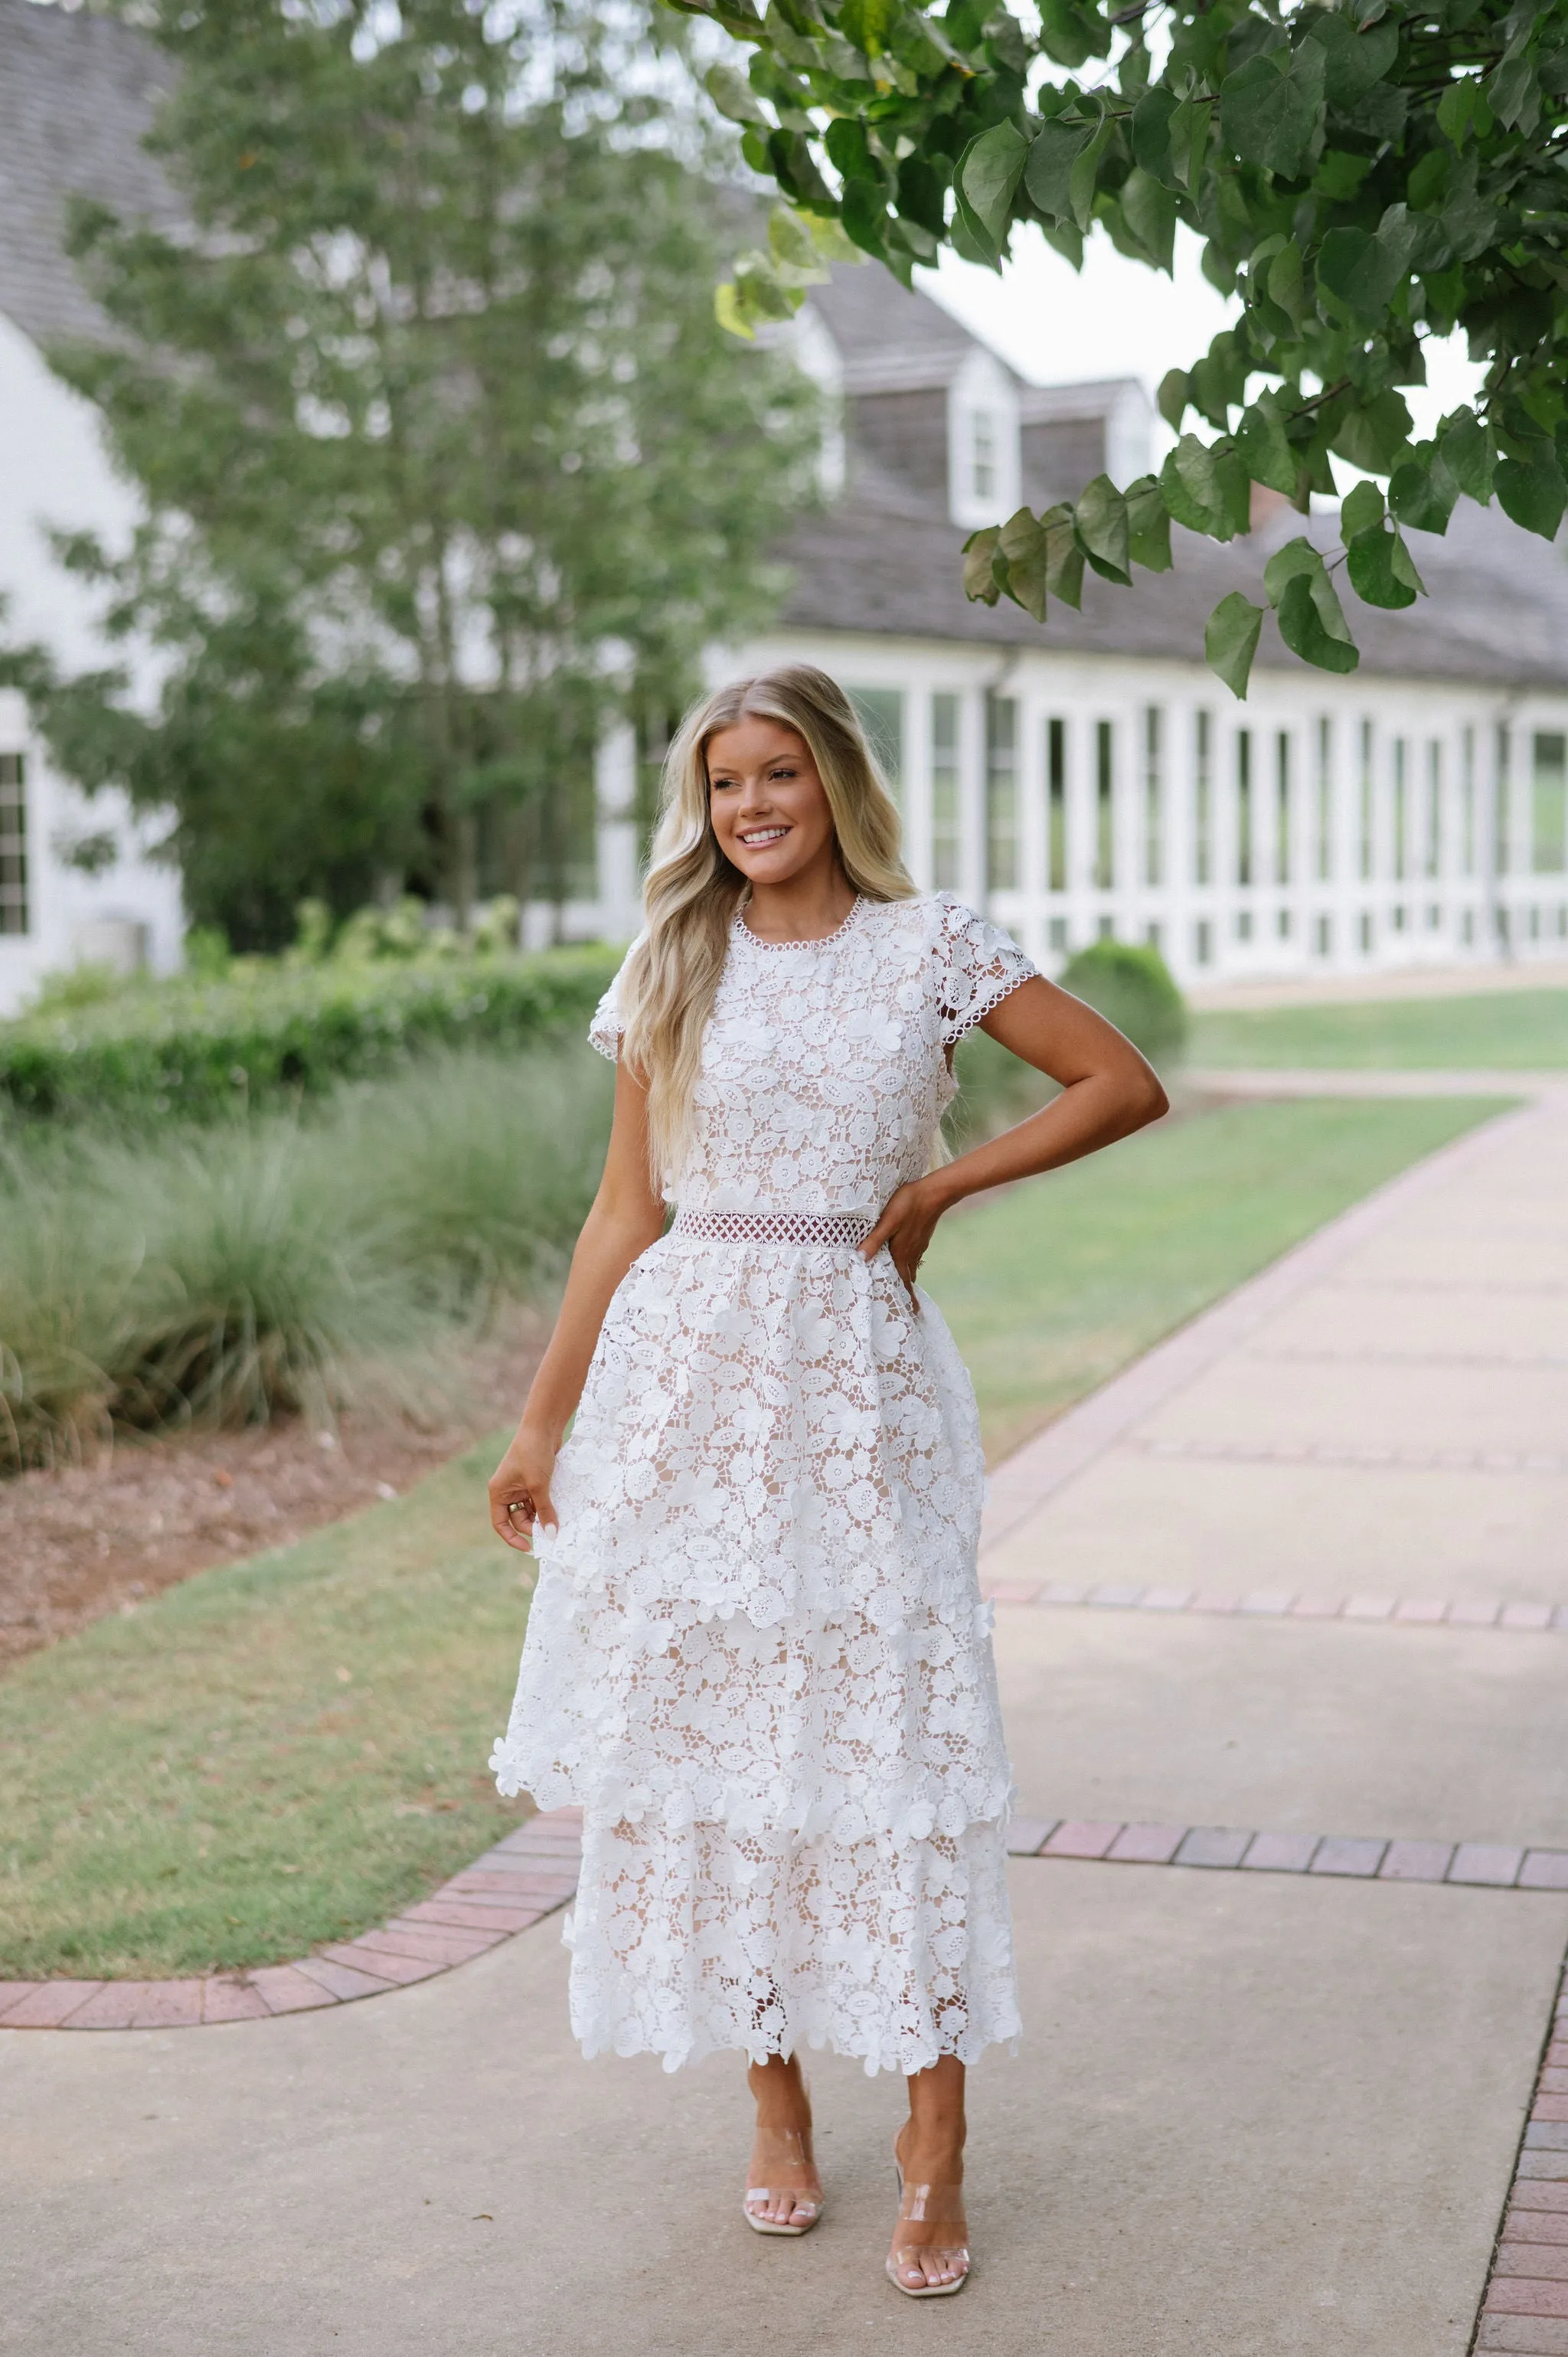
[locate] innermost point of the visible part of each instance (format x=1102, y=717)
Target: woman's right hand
x=522, y=1479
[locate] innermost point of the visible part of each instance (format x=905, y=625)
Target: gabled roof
x=888, y=340
x=76, y=94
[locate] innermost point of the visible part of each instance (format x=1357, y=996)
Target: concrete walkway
x=1255, y=2114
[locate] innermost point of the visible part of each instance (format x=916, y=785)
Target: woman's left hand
x=906, y=1226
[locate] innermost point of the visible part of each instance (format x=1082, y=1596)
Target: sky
x=1120, y=318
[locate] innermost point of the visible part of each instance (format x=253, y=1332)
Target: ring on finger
x=513, y=1508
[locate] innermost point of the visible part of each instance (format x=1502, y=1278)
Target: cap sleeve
x=604, y=1031
x=978, y=966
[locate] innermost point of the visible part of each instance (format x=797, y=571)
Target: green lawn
x=1501, y=1030
x=1050, y=1287
x=290, y=1749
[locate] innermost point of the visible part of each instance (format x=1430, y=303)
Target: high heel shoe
x=807, y=2207
x=928, y=2204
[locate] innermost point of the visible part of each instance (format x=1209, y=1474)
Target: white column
x=615, y=803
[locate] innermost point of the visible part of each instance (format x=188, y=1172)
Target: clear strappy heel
x=939, y=2205
x=805, y=2208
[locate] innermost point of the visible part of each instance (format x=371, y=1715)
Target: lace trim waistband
x=843, y=1228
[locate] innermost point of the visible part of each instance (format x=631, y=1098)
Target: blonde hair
x=693, y=890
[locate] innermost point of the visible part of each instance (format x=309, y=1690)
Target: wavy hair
x=693, y=890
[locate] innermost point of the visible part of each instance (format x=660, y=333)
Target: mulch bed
x=102, y=1537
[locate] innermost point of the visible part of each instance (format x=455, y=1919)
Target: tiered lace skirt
x=757, y=1660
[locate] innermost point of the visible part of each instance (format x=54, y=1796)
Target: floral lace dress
x=758, y=1657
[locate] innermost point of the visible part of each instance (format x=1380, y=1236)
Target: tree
x=1364, y=174
x=445, y=459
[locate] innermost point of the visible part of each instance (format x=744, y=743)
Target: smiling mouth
x=760, y=837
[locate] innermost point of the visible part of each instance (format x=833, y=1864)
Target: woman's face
x=768, y=806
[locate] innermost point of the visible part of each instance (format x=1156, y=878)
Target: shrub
x=1131, y=987
x=283, y=1262
x=271, y=1032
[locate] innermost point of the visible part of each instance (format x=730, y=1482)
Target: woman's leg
x=781, y=2163
x=929, y=2241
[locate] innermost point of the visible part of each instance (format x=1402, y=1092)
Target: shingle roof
x=1498, y=609
x=76, y=98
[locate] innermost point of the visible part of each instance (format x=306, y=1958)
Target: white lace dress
x=758, y=1657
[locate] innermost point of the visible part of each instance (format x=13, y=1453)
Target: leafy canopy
x=445, y=461
x=1364, y=174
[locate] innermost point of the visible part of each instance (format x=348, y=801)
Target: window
x=13, y=844
x=947, y=843
x=1154, y=796
x=1244, y=925
x=1105, y=929
x=1502, y=836
x=1105, y=807
x=1281, y=924
x=1056, y=809
x=1281, y=809
x=1467, y=803
x=1154, y=935
x=1323, y=937
x=1055, y=934
x=1368, y=934
x=1323, y=805
x=1401, y=815
x=1548, y=803
x=983, y=465
x=1203, y=799
x=1244, y=807
x=1368, y=842
x=1203, y=942
x=1431, y=848
x=1467, y=927
x=1001, y=793
x=880, y=712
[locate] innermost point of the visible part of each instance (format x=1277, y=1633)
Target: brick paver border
x=1285, y=1604
x=527, y=1876
x=1524, y=2311
x=1495, y=1866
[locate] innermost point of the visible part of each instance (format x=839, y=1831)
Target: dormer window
x=982, y=455
x=983, y=442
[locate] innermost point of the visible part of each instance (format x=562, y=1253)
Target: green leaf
x=1463, y=112
x=733, y=96
x=1265, y=450
x=1173, y=397
x=1359, y=273
x=731, y=312
x=1353, y=60
x=849, y=150
x=1005, y=40
x=1270, y=108
x=1362, y=511
x=1190, y=127
x=1103, y=527
x=979, y=586
x=1148, y=526
x=1423, y=492
x=1470, y=452
x=796, y=256
x=1534, y=494
x=1149, y=209
x=1231, y=641
x=1372, y=434
x=922, y=193
x=867, y=23
x=988, y=173
x=1025, y=548
x=1297, y=555
x=1194, y=491
x=1285, y=283
x=864, y=212
x=1151, y=133
x=1376, y=576
x=1514, y=94
x=1311, y=621
x=1070, y=34
x=1064, y=557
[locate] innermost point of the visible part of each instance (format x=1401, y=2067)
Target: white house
x=1088, y=779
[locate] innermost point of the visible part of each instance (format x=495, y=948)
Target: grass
x=1504, y=1030
x=278, y=1752
x=289, y=1749
x=1049, y=1288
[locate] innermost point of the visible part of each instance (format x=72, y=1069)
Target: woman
x=758, y=1657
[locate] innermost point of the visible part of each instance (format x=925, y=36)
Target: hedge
x=272, y=1033
x=1131, y=986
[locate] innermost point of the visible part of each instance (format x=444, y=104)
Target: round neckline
x=815, y=941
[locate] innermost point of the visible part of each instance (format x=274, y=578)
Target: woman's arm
x=1107, y=1092
x=626, y=1218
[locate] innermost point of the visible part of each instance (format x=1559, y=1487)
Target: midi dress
x=756, y=1657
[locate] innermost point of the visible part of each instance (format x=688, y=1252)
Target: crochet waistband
x=843, y=1229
